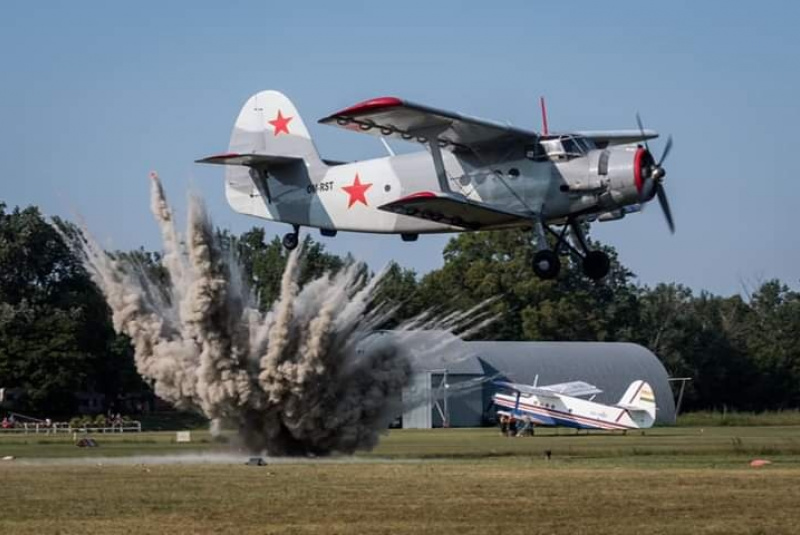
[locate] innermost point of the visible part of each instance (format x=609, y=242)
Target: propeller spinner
x=653, y=175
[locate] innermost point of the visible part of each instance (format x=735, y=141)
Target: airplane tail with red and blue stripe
x=640, y=402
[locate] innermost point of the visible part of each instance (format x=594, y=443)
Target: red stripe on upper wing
x=371, y=105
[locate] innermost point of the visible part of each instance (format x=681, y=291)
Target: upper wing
x=527, y=389
x=401, y=119
x=573, y=388
x=453, y=209
x=604, y=138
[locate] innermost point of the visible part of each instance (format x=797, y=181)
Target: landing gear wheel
x=290, y=241
x=596, y=265
x=546, y=264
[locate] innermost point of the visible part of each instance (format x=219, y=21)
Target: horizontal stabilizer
x=634, y=407
x=250, y=160
x=452, y=209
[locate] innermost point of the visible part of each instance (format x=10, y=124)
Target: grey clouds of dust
x=313, y=375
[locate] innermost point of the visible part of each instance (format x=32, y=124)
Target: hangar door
x=436, y=398
x=417, y=402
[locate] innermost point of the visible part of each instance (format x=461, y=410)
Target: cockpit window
x=585, y=143
x=571, y=147
x=559, y=148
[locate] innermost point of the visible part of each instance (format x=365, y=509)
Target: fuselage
x=346, y=196
x=565, y=411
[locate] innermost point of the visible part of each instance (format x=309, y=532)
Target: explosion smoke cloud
x=313, y=375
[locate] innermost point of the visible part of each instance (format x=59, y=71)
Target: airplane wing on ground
x=453, y=209
x=605, y=138
x=571, y=389
x=527, y=389
x=401, y=119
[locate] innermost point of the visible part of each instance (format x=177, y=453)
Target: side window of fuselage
x=535, y=152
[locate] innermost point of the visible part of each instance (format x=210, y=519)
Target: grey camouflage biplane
x=475, y=175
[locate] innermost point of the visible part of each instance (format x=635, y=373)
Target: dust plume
x=312, y=375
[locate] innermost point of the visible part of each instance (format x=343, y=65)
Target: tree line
x=741, y=351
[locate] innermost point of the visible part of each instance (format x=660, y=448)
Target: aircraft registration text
x=320, y=186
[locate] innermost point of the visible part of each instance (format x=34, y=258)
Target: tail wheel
x=546, y=264
x=596, y=265
x=290, y=241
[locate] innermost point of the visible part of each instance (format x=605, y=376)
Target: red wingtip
x=371, y=105
x=418, y=195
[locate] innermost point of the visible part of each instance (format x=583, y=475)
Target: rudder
x=640, y=398
x=269, y=125
x=270, y=153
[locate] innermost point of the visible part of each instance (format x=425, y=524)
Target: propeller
x=641, y=130
x=657, y=175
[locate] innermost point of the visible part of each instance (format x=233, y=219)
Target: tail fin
x=640, y=400
x=269, y=139
x=269, y=125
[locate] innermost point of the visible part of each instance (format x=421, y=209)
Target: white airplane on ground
x=562, y=405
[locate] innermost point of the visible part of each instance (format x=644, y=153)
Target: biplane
x=572, y=404
x=475, y=174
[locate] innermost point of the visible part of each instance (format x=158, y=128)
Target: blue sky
x=96, y=94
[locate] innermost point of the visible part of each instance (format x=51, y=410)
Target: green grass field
x=668, y=480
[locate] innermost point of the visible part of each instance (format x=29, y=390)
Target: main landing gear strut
x=292, y=239
x=546, y=263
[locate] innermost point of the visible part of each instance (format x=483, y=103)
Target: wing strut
x=432, y=135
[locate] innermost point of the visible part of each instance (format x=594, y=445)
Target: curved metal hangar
x=453, y=385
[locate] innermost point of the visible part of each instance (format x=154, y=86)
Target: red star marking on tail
x=280, y=123
x=357, y=191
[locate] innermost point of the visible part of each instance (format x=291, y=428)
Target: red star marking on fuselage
x=280, y=123
x=357, y=191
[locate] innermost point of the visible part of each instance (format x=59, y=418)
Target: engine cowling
x=630, y=175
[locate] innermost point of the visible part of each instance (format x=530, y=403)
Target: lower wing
x=454, y=210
